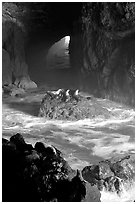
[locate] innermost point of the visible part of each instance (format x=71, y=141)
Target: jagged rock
x=124, y=168
x=53, y=107
x=40, y=174
x=111, y=175
x=77, y=190
x=19, y=141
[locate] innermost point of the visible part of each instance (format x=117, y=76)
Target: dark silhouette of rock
x=18, y=140
x=40, y=147
x=33, y=157
x=77, y=190
x=40, y=174
x=4, y=141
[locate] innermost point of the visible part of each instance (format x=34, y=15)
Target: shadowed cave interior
x=101, y=48
x=78, y=147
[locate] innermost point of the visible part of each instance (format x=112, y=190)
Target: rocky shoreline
x=40, y=173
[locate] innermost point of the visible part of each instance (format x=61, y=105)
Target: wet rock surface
x=70, y=108
x=12, y=90
x=40, y=173
x=112, y=175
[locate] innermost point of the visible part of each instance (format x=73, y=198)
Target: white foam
x=12, y=128
x=107, y=151
x=98, y=136
x=127, y=194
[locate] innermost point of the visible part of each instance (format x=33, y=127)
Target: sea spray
x=83, y=142
x=127, y=194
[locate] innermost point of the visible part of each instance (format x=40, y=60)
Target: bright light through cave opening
x=67, y=39
x=58, y=54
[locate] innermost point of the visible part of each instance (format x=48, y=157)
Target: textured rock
x=72, y=109
x=112, y=175
x=40, y=174
x=12, y=90
x=14, y=32
x=105, y=50
x=124, y=168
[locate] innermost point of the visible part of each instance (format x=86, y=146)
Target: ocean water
x=82, y=142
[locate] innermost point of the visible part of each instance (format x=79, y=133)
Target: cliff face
x=109, y=48
x=14, y=33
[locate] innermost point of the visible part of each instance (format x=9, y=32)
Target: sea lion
x=58, y=92
x=74, y=94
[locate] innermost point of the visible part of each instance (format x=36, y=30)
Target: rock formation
x=15, y=68
x=65, y=107
x=102, y=50
x=40, y=174
x=109, y=49
x=115, y=175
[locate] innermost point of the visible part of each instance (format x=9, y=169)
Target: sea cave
x=68, y=101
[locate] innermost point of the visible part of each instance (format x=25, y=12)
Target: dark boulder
x=40, y=174
x=111, y=175
x=19, y=141
x=78, y=190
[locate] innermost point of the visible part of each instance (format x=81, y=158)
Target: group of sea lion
x=64, y=94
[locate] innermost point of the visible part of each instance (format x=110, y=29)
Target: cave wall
x=108, y=50
x=76, y=53
x=102, y=45
x=14, y=33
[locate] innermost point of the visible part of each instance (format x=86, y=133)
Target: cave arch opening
x=58, y=54
x=49, y=62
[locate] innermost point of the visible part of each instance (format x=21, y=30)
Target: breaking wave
x=127, y=194
x=82, y=142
